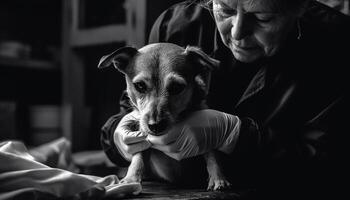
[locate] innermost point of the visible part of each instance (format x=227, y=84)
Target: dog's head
x=163, y=81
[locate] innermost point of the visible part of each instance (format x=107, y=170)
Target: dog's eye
x=176, y=88
x=141, y=87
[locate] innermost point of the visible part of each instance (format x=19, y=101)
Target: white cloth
x=22, y=176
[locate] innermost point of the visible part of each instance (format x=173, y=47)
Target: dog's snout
x=157, y=128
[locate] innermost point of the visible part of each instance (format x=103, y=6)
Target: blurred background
x=50, y=86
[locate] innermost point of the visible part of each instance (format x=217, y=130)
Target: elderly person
x=282, y=73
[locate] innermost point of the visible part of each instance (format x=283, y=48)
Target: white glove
x=199, y=133
x=128, y=140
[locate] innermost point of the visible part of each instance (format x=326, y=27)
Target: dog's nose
x=157, y=127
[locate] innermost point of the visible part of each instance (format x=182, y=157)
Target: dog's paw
x=131, y=179
x=218, y=184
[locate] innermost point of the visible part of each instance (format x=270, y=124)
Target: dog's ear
x=203, y=64
x=196, y=55
x=119, y=58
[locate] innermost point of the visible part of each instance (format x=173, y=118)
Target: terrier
x=164, y=83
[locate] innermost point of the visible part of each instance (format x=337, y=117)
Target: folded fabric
x=23, y=177
x=56, y=153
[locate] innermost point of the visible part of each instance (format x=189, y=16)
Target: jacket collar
x=256, y=85
x=221, y=52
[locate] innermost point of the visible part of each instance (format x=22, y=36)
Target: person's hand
x=199, y=133
x=128, y=139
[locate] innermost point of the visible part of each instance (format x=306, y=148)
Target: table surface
x=155, y=190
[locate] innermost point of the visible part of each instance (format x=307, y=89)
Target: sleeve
x=154, y=35
x=324, y=135
x=169, y=26
x=163, y=28
x=318, y=139
x=249, y=138
x=315, y=158
x=185, y=23
x=107, y=132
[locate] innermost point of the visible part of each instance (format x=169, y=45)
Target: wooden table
x=161, y=191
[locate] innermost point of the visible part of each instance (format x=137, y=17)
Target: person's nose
x=240, y=26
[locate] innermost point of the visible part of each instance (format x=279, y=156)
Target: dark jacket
x=293, y=106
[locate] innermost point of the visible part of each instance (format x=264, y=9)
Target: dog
x=164, y=83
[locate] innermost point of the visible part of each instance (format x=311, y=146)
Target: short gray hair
x=281, y=5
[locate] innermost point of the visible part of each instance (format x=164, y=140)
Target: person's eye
x=264, y=18
x=225, y=13
x=140, y=86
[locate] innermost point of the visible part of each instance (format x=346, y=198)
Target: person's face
x=252, y=29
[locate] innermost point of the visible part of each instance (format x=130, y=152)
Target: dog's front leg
x=217, y=180
x=135, y=170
